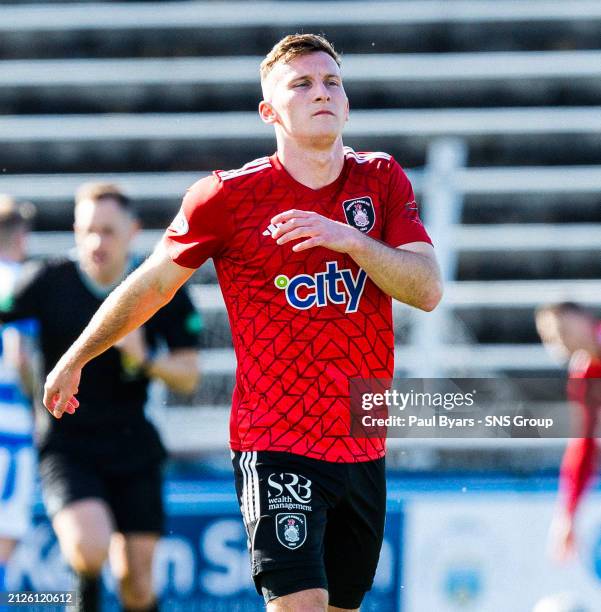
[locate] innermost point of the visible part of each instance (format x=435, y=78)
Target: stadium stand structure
x=153, y=95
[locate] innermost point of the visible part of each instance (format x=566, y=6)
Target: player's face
x=103, y=233
x=306, y=100
x=564, y=334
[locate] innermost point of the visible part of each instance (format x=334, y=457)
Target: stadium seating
x=153, y=95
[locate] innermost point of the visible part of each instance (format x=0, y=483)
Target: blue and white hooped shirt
x=16, y=418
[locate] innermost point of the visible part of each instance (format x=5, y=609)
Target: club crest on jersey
x=291, y=530
x=360, y=213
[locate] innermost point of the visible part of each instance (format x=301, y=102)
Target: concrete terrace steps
x=496, y=313
x=493, y=195
x=372, y=81
x=97, y=29
x=521, y=294
x=156, y=195
x=538, y=263
x=509, y=181
x=139, y=186
x=467, y=238
x=449, y=68
x=191, y=15
x=200, y=127
x=182, y=141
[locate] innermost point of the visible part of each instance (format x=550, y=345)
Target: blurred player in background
x=17, y=463
x=571, y=332
x=101, y=470
x=309, y=244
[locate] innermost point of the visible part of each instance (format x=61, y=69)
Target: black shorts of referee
x=133, y=496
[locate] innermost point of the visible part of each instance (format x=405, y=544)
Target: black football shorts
x=135, y=498
x=311, y=523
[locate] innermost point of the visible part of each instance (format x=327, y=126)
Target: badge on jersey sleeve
x=360, y=213
x=179, y=225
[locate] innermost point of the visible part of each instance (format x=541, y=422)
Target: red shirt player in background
x=570, y=331
x=310, y=245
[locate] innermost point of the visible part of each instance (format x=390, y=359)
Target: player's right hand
x=59, y=391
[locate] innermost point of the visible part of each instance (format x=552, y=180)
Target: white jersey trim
x=253, y=166
x=250, y=486
x=362, y=158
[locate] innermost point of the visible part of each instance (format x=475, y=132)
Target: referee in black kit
x=101, y=469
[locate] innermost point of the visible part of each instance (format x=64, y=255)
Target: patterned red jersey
x=305, y=323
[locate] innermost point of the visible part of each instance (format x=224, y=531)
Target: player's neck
x=314, y=168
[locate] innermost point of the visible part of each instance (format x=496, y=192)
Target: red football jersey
x=305, y=323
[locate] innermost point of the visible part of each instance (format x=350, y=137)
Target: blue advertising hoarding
x=202, y=562
x=451, y=543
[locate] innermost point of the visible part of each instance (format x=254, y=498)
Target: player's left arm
x=177, y=368
x=408, y=273
x=178, y=324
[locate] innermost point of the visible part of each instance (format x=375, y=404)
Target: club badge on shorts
x=360, y=213
x=291, y=530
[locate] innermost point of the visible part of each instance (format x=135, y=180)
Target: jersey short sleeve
x=201, y=227
x=402, y=224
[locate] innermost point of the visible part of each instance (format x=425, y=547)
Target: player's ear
x=267, y=112
x=348, y=110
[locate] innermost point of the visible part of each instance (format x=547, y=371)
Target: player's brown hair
x=295, y=45
x=102, y=191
